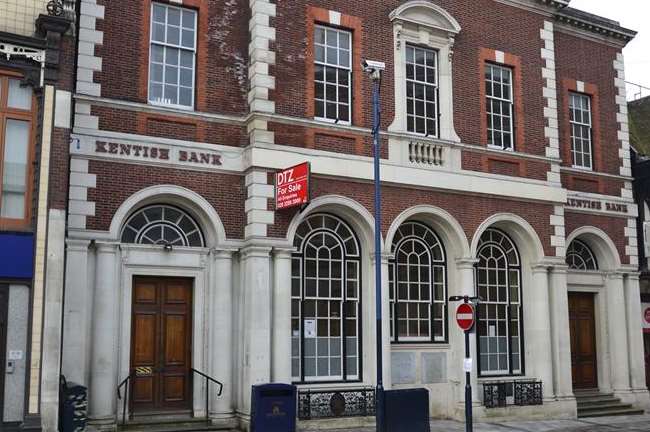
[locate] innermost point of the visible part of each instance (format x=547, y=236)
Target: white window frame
x=412, y=100
x=573, y=124
x=337, y=67
x=180, y=47
x=421, y=23
x=509, y=101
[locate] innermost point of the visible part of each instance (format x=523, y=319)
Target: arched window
x=325, y=301
x=162, y=225
x=500, y=327
x=417, y=283
x=580, y=257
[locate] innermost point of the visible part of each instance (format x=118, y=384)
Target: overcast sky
x=635, y=15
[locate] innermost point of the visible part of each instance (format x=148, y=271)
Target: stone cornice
x=592, y=24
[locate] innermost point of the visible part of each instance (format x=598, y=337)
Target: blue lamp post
x=374, y=69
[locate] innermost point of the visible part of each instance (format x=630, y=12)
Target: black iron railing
x=496, y=393
x=127, y=396
x=208, y=380
x=125, y=384
x=353, y=402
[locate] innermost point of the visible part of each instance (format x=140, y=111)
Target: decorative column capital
x=384, y=257
x=222, y=254
x=615, y=275
x=106, y=247
x=466, y=263
x=541, y=267
x=255, y=251
x=283, y=252
x=77, y=245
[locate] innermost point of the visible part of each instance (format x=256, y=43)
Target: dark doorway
x=583, y=340
x=161, y=344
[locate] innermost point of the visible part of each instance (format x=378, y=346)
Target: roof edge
x=594, y=24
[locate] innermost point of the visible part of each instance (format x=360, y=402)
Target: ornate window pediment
x=423, y=13
x=427, y=28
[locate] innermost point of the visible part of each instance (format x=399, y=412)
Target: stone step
x=169, y=423
x=597, y=401
x=610, y=412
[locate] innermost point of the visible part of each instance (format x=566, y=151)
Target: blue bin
x=407, y=410
x=273, y=408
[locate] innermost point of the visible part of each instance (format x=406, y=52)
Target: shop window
x=325, y=301
x=418, y=285
x=172, y=56
x=16, y=152
x=499, y=324
x=581, y=131
x=580, y=257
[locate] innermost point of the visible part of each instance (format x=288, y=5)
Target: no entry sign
x=465, y=316
x=292, y=186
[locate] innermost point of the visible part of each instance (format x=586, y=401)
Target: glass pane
x=19, y=97
x=159, y=13
x=188, y=19
x=14, y=178
x=174, y=17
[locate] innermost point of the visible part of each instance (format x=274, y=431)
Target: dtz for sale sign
x=292, y=186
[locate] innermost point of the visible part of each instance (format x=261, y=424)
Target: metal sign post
x=465, y=317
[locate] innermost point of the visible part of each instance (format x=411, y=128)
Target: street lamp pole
x=375, y=69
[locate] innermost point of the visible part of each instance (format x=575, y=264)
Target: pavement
x=636, y=423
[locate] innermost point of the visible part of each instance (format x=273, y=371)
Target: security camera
x=373, y=66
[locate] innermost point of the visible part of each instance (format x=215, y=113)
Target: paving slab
x=636, y=423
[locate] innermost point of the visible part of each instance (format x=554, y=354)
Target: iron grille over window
x=325, y=305
x=499, y=312
x=162, y=225
x=500, y=100
x=580, y=116
x=580, y=257
x=422, y=90
x=172, y=56
x=417, y=285
x=333, y=74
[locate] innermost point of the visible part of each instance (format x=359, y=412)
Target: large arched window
x=162, y=225
x=417, y=283
x=500, y=329
x=325, y=301
x=580, y=257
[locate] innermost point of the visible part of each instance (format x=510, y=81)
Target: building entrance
x=583, y=340
x=161, y=344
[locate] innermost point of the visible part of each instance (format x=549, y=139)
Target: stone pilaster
x=281, y=361
x=103, y=374
x=560, y=339
x=256, y=334
x=221, y=335
x=617, y=332
x=79, y=208
x=538, y=329
x=258, y=217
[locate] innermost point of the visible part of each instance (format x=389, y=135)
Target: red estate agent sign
x=292, y=186
x=465, y=316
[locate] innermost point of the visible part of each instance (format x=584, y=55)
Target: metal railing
x=352, y=402
x=524, y=392
x=125, y=384
x=127, y=396
x=208, y=380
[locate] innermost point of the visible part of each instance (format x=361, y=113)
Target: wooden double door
x=582, y=325
x=161, y=344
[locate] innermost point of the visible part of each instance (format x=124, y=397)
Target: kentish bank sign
x=292, y=186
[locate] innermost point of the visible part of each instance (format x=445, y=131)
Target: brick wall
x=117, y=181
x=612, y=226
x=469, y=210
x=592, y=63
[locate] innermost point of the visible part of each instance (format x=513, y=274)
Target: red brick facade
x=490, y=30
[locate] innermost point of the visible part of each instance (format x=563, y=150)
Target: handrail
x=207, y=390
x=219, y=383
x=125, y=384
